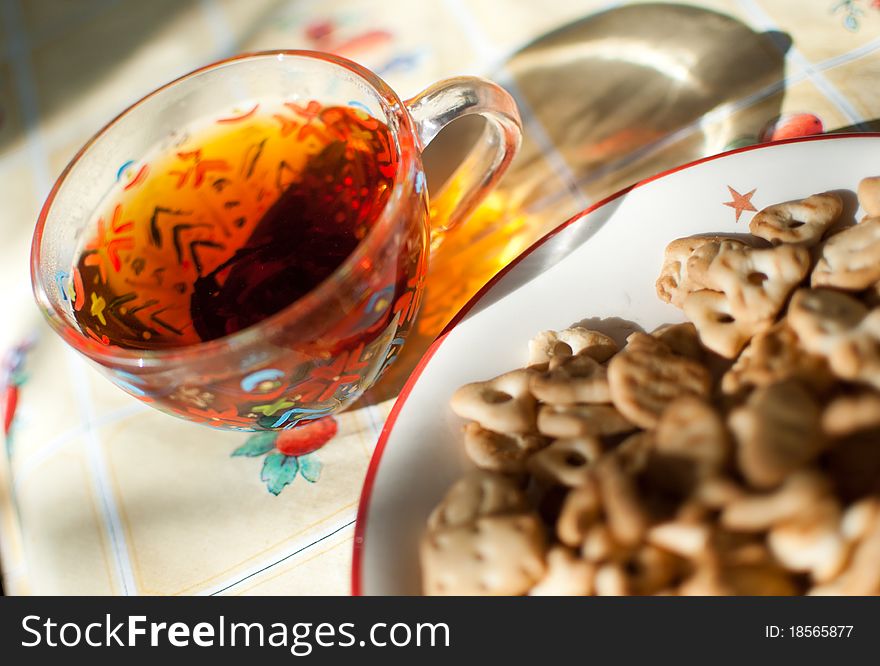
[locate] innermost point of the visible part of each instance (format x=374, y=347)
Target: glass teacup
x=319, y=353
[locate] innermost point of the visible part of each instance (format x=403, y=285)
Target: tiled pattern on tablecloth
x=101, y=495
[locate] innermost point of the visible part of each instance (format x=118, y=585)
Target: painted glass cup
x=317, y=354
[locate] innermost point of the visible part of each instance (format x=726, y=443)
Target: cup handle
x=448, y=100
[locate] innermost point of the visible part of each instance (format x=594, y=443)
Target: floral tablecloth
x=102, y=495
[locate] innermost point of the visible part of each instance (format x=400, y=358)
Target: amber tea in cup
x=230, y=225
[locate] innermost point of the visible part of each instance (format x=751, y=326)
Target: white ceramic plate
x=600, y=267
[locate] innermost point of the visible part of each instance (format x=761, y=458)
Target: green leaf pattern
x=256, y=445
x=278, y=472
x=310, y=467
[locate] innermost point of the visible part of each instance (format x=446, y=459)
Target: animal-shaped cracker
x=650, y=570
x=582, y=420
x=683, y=339
x=862, y=576
x=714, y=578
x=646, y=377
x=850, y=259
x=777, y=431
x=567, y=461
x=804, y=221
x=567, y=575
x=500, y=452
x=690, y=429
x=757, y=282
x=576, y=379
x=687, y=539
x=701, y=259
x=496, y=555
x=799, y=495
x=813, y=544
x=552, y=347
x=840, y=328
x=675, y=282
x=869, y=195
x=627, y=517
x=503, y=404
x=719, y=329
x=775, y=355
x=851, y=413
x=477, y=494
x=580, y=509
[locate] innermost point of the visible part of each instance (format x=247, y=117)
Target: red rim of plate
x=372, y=470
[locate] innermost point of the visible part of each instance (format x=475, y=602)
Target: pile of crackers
x=735, y=453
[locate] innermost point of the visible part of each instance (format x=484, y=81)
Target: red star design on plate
x=741, y=202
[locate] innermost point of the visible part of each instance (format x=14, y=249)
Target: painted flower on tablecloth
x=853, y=11
x=785, y=126
x=12, y=378
x=345, y=34
x=790, y=126
x=289, y=452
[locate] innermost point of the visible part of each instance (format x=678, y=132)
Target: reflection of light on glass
x=676, y=64
x=515, y=247
x=471, y=253
x=466, y=258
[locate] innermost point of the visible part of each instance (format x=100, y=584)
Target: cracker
x=701, y=259
x=503, y=404
x=634, y=451
x=674, y=282
x=567, y=575
x=580, y=510
x=719, y=329
x=683, y=339
x=497, y=555
x=686, y=539
x=842, y=329
x=773, y=356
x=626, y=516
x=646, y=377
x=847, y=414
x=692, y=430
x=718, y=492
x=869, y=195
x=575, y=379
x=813, y=544
x=599, y=544
x=858, y=518
x=610, y=581
x=477, y=494
x=650, y=570
x=796, y=498
x=804, y=221
x=499, y=452
x=566, y=462
x=862, y=576
x=550, y=347
x=850, y=259
x=821, y=318
x=777, y=431
x=582, y=421
x=763, y=579
x=757, y=282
